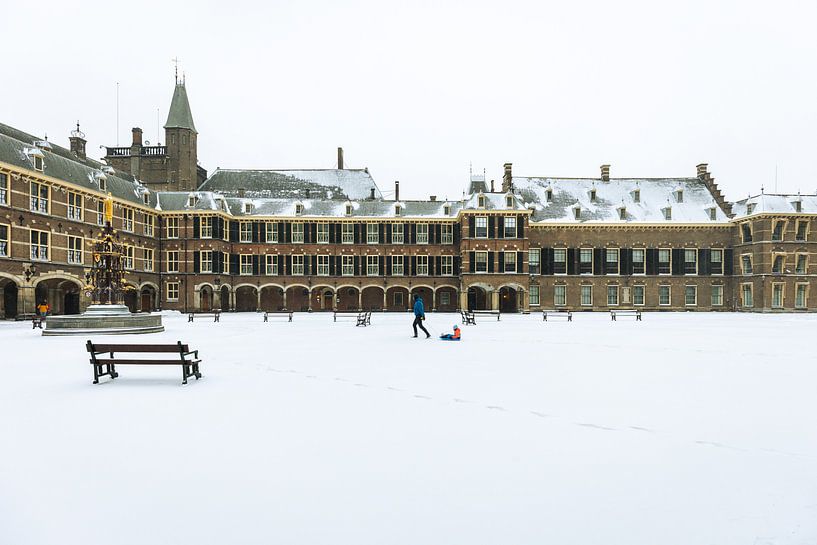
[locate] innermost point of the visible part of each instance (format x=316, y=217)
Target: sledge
x=450, y=339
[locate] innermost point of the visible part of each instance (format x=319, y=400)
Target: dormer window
x=750, y=208
x=797, y=204
x=713, y=213
x=481, y=201
x=38, y=163
x=549, y=195
x=622, y=212
x=577, y=211
x=593, y=195
x=679, y=195
x=146, y=197
x=102, y=180
x=36, y=155
x=348, y=209
x=191, y=201
x=398, y=210
x=636, y=195
x=248, y=208
x=447, y=209
x=667, y=211
x=509, y=201
x=299, y=209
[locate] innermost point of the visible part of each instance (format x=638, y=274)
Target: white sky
x=417, y=90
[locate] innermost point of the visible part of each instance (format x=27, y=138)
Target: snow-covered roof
x=493, y=201
x=337, y=184
x=775, y=204
x=644, y=200
x=18, y=148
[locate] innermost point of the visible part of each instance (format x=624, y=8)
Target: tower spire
x=176, y=63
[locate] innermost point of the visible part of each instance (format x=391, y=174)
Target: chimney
x=702, y=170
x=605, y=173
x=371, y=195
x=433, y=198
x=137, y=136
x=307, y=193
x=492, y=186
x=77, y=140
x=340, y=158
x=241, y=192
x=396, y=190
x=507, y=178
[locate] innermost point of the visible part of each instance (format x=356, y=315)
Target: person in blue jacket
x=419, y=316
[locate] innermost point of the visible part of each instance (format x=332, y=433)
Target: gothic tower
x=180, y=139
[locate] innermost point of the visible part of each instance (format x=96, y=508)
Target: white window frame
x=40, y=251
x=147, y=259
x=373, y=264
x=612, y=290
x=797, y=258
x=614, y=252
x=560, y=295
x=347, y=233
x=422, y=265
x=398, y=233
x=669, y=262
x=477, y=227
x=172, y=291
x=586, y=289
x=172, y=261
x=661, y=288
x=506, y=263
x=271, y=232
x=206, y=261
x=534, y=260
x=804, y=287
x=583, y=252
x=447, y=233
x=149, y=224
x=323, y=234
x=245, y=231
x=347, y=265
x=397, y=268
x=712, y=253
x=446, y=265
x=372, y=234
x=127, y=220
x=743, y=270
x=745, y=302
x=129, y=257
x=643, y=261
x=206, y=227
x=40, y=198
x=100, y=212
x=477, y=255
x=172, y=227
x=75, y=250
x=716, y=301
x=778, y=288
x=271, y=265
x=422, y=233
x=694, y=253
x=297, y=265
x=533, y=295
x=323, y=265
x=639, y=292
x=687, y=289
x=5, y=246
x=297, y=232
x=505, y=228
x=563, y=252
x=4, y=189
x=75, y=207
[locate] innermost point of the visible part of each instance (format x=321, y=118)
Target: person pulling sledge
x=419, y=316
x=452, y=336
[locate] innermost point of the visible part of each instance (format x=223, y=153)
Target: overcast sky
x=418, y=90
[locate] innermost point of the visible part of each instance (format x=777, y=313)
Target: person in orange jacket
x=452, y=336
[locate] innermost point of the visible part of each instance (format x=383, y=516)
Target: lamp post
x=29, y=271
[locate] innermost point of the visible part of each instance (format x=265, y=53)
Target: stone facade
x=538, y=243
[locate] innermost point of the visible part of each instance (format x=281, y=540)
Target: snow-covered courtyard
x=681, y=429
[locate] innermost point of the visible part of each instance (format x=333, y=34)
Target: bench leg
x=96, y=373
x=184, y=374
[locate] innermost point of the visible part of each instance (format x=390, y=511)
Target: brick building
x=322, y=239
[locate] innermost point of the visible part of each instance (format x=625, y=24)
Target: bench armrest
x=194, y=352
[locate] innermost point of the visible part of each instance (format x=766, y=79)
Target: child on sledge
x=452, y=336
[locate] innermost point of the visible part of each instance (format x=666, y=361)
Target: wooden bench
x=107, y=366
x=635, y=312
x=361, y=317
x=37, y=321
x=467, y=317
x=487, y=313
x=557, y=313
x=216, y=314
x=364, y=319
x=278, y=314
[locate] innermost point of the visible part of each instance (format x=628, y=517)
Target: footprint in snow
x=458, y=400
x=638, y=428
x=420, y=396
x=595, y=426
x=540, y=415
x=359, y=385
x=393, y=389
x=495, y=407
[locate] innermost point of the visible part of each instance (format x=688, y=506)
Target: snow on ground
x=683, y=429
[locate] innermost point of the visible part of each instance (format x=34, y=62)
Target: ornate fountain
x=106, y=286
